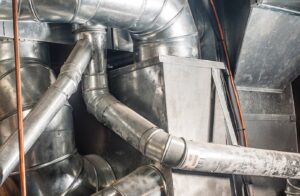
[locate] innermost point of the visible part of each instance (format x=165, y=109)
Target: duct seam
x=44, y=110
x=33, y=10
x=145, y=180
x=37, y=167
x=176, y=152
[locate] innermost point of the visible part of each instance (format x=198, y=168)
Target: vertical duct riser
x=53, y=165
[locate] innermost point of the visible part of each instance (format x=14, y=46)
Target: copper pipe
x=19, y=98
x=228, y=65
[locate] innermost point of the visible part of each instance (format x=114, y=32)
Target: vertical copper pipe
x=19, y=98
x=228, y=65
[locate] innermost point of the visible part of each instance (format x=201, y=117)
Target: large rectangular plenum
x=268, y=63
x=271, y=124
x=177, y=95
x=270, y=55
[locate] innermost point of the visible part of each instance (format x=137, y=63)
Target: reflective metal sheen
x=157, y=26
x=160, y=146
x=45, y=109
x=37, y=31
x=53, y=165
x=146, y=180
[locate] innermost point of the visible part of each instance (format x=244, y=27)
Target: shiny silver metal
x=146, y=180
x=157, y=27
x=121, y=40
x=156, y=89
x=156, y=136
x=29, y=50
x=59, y=177
x=49, y=104
x=274, y=113
x=158, y=145
x=35, y=69
x=53, y=166
x=36, y=31
x=104, y=171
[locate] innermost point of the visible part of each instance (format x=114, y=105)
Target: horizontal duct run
x=156, y=26
x=160, y=146
x=160, y=27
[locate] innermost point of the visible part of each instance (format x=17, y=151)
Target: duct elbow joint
x=98, y=102
x=160, y=146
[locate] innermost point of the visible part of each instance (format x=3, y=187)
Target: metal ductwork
x=156, y=26
x=146, y=180
x=158, y=29
x=48, y=106
x=158, y=145
x=53, y=154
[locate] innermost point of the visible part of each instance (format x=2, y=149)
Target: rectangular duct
x=269, y=58
x=177, y=94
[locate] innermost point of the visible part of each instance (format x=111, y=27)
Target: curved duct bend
x=146, y=180
x=156, y=26
x=53, y=165
x=176, y=152
x=48, y=105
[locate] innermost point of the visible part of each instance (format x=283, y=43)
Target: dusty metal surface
x=121, y=40
x=268, y=62
x=269, y=58
x=173, y=93
x=161, y=91
x=270, y=119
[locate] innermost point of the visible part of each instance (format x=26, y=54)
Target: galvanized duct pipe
x=38, y=76
x=52, y=108
x=146, y=181
x=54, y=153
x=53, y=165
x=157, y=26
x=176, y=152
